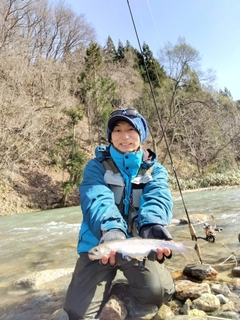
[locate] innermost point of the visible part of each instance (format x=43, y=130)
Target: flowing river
x=47, y=240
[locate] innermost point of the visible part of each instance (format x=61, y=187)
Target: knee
x=157, y=294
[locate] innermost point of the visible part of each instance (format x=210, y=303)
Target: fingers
x=104, y=260
x=111, y=260
x=162, y=251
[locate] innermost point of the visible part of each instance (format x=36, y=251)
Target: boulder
x=38, y=280
x=185, y=289
x=194, y=218
x=200, y=272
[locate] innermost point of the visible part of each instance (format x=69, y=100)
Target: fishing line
x=191, y=228
x=139, y=16
x=144, y=30
x=154, y=23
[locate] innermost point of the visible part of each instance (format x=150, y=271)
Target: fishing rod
x=191, y=228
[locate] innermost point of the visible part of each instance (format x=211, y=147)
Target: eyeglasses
x=125, y=112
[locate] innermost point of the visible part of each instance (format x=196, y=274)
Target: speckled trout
x=138, y=248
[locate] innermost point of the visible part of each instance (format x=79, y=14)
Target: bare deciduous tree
x=41, y=52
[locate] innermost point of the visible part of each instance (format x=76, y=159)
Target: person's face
x=125, y=138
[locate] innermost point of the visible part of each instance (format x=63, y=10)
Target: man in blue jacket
x=124, y=193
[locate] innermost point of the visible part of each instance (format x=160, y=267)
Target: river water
x=47, y=240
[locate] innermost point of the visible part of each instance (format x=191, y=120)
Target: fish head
x=96, y=253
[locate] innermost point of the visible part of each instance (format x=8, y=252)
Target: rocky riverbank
x=200, y=293
x=46, y=242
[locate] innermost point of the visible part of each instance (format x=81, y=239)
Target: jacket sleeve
x=97, y=201
x=156, y=203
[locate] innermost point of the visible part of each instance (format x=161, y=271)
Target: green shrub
x=230, y=178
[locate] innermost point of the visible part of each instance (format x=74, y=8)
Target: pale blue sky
x=212, y=27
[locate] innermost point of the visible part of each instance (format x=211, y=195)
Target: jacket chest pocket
x=116, y=184
x=118, y=193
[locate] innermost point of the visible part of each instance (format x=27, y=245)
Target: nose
x=125, y=134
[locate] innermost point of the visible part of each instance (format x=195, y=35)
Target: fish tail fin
x=189, y=253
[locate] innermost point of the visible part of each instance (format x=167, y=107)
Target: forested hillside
x=58, y=87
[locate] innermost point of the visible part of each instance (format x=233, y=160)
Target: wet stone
x=164, y=312
x=187, y=306
x=208, y=302
x=194, y=218
x=197, y=313
x=137, y=311
x=185, y=289
x=236, y=284
x=175, y=305
x=200, y=272
x=59, y=314
x=222, y=299
x=229, y=306
x=227, y=315
x=236, y=271
x=222, y=289
x=113, y=309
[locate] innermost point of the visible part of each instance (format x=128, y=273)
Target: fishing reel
x=210, y=234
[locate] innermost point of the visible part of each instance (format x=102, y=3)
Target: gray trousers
x=91, y=283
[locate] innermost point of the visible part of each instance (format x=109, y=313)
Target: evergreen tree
x=120, y=51
x=155, y=71
x=97, y=92
x=226, y=92
x=68, y=154
x=110, y=49
x=128, y=46
x=93, y=58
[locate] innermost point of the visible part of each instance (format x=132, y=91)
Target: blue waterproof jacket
x=100, y=212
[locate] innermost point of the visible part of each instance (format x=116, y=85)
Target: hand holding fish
x=149, y=231
x=117, y=251
x=111, y=259
x=114, y=258
x=136, y=248
x=157, y=231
